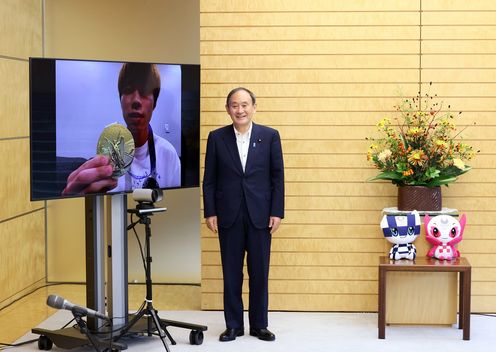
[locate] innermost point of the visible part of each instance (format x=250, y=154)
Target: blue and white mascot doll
x=401, y=230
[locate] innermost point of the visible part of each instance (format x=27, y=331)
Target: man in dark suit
x=243, y=196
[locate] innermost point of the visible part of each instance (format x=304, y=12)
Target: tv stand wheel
x=44, y=343
x=196, y=337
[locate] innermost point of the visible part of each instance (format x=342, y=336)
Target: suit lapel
x=232, y=148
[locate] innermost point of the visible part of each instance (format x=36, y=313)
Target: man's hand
x=95, y=175
x=274, y=223
x=212, y=223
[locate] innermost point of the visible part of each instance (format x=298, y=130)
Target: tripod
x=148, y=313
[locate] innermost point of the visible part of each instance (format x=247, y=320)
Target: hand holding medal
x=115, y=153
x=117, y=143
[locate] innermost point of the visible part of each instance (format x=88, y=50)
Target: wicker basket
x=419, y=198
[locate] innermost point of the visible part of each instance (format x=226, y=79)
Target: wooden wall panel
x=352, y=76
x=316, y=18
x=324, y=231
x=66, y=254
x=467, y=75
x=306, y=302
x=20, y=25
x=382, y=61
x=297, y=6
x=327, y=33
x=314, y=90
x=22, y=259
x=278, y=272
x=304, y=286
x=313, y=245
x=461, y=189
x=14, y=179
x=14, y=102
x=310, y=47
x=95, y=29
x=22, y=223
x=324, y=73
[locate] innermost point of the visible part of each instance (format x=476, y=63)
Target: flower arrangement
x=420, y=147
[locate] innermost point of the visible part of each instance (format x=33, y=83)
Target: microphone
x=58, y=302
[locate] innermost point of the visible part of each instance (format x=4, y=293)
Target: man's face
x=137, y=109
x=241, y=109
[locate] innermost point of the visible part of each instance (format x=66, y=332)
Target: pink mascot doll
x=444, y=232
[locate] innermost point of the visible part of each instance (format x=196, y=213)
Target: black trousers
x=242, y=237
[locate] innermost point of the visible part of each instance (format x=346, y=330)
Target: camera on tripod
x=146, y=197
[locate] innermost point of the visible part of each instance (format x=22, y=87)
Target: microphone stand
x=78, y=316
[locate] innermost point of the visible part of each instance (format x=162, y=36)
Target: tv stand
x=72, y=337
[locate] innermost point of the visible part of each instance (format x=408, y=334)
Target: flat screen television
x=75, y=103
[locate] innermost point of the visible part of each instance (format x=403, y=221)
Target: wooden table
x=425, y=264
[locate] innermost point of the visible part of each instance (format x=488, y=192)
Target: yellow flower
x=417, y=157
x=408, y=172
x=384, y=122
x=414, y=131
x=440, y=143
x=459, y=163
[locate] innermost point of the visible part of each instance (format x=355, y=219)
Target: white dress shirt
x=243, y=143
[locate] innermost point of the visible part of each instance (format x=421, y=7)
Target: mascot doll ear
x=427, y=219
x=463, y=221
x=384, y=222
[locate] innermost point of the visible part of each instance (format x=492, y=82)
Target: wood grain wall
x=22, y=223
x=325, y=72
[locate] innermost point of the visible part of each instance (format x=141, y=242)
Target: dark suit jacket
x=262, y=183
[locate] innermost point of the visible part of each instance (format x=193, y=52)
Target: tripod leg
x=169, y=336
x=160, y=331
x=173, y=342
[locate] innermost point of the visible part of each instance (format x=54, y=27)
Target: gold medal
x=117, y=143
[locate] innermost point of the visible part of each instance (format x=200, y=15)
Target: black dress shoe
x=231, y=334
x=262, y=334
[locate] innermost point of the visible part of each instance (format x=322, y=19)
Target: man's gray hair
x=235, y=90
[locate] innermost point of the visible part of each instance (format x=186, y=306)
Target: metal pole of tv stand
x=95, y=280
x=117, y=262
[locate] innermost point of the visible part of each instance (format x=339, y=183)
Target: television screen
x=101, y=127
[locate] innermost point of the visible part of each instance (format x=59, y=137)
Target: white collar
x=242, y=134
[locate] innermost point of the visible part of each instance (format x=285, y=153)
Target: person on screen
x=243, y=198
x=155, y=164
